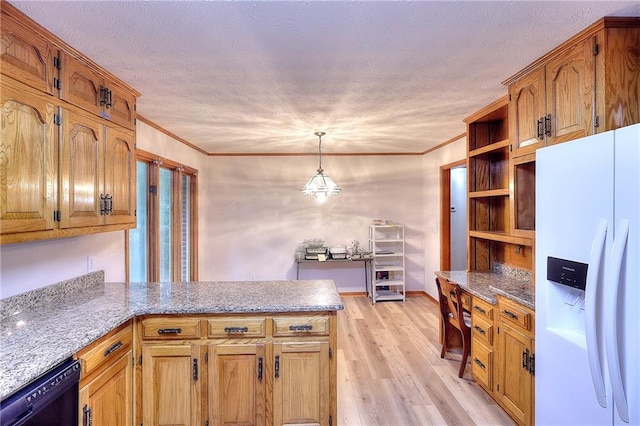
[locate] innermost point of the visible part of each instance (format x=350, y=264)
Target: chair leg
x=445, y=335
x=466, y=348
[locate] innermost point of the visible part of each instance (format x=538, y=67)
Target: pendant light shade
x=320, y=186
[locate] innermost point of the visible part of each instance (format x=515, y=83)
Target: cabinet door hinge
x=206, y=357
x=596, y=49
x=56, y=62
x=498, y=330
x=56, y=83
x=195, y=369
x=498, y=387
x=509, y=97
x=57, y=120
x=57, y=216
x=140, y=360
x=206, y=423
x=596, y=121
x=330, y=353
x=510, y=147
x=133, y=360
x=330, y=420
x=532, y=365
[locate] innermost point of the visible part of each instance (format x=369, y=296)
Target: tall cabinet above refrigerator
x=588, y=280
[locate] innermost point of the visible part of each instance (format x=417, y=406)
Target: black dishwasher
x=51, y=399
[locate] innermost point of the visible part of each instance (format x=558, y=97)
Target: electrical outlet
x=91, y=263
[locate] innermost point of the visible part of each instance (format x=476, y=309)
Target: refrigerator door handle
x=591, y=311
x=611, y=317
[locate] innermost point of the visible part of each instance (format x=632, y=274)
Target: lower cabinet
x=516, y=369
x=482, y=340
x=172, y=386
x=237, y=370
x=106, y=381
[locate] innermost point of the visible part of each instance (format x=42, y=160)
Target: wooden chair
x=454, y=318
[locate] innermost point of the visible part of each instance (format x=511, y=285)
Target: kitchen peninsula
x=289, y=326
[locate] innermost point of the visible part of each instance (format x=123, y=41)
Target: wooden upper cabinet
x=26, y=56
x=84, y=87
x=526, y=110
x=120, y=175
x=81, y=170
x=28, y=159
x=585, y=86
x=570, y=80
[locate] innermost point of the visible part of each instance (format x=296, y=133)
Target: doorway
x=453, y=216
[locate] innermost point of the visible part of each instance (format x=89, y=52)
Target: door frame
x=445, y=218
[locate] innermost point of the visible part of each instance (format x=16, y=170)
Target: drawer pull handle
x=479, y=309
x=510, y=314
x=169, y=330
x=480, y=363
x=113, y=348
x=479, y=329
x=300, y=327
x=236, y=329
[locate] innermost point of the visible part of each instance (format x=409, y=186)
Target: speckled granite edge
x=49, y=294
x=511, y=271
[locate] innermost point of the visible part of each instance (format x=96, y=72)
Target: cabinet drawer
x=106, y=349
x=482, y=330
x=302, y=325
x=482, y=365
x=516, y=315
x=481, y=308
x=167, y=328
x=237, y=327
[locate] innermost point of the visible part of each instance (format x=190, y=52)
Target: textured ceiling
x=262, y=77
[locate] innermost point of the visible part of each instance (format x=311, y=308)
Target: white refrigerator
x=587, y=277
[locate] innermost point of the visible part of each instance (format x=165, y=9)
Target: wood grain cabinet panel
x=25, y=55
x=120, y=175
x=28, y=159
x=526, y=110
x=237, y=384
x=172, y=387
x=301, y=383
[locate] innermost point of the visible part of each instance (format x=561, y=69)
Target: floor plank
x=390, y=371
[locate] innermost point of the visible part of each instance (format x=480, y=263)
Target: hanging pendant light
x=320, y=185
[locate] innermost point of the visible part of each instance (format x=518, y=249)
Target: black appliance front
x=51, y=399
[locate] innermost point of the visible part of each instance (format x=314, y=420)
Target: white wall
x=252, y=216
x=458, y=218
x=431, y=163
x=257, y=215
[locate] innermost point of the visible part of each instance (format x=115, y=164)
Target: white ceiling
x=262, y=77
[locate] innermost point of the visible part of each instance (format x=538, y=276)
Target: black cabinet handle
x=277, y=366
x=479, y=330
x=195, y=370
x=541, y=128
x=510, y=314
x=260, y=362
x=236, y=329
x=547, y=125
x=169, y=330
x=103, y=205
x=87, y=417
x=113, y=348
x=525, y=359
x=480, y=363
x=300, y=327
x=479, y=309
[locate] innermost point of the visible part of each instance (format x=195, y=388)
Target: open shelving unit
x=386, y=243
x=490, y=194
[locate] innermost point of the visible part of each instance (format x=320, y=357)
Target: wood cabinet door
x=26, y=56
x=570, y=85
x=301, y=383
x=122, y=109
x=80, y=85
x=108, y=399
x=171, y=385
x=81, y=170
x=237, y=376
x=515, y=383
x=526, y=108
x=28, y=159
x=120, y=175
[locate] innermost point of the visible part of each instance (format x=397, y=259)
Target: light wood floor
x=390, y=371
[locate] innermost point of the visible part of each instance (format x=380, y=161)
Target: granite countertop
x=487, y=285
x=53, y=325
